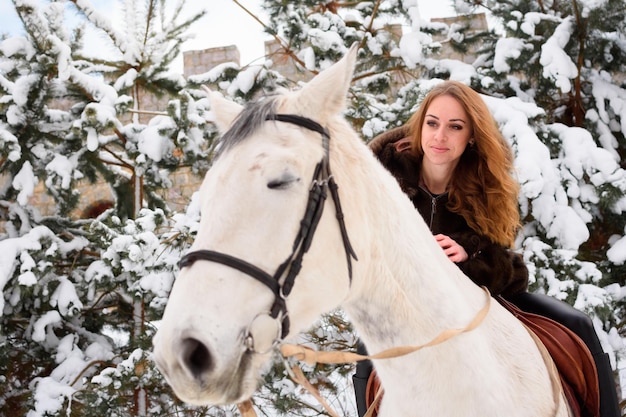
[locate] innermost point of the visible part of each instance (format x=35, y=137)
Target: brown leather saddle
x=571, y=356
x=577, y=370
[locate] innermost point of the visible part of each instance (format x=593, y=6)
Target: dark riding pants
x=359, y=379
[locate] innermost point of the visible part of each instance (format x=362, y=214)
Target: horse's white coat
x=404, y=290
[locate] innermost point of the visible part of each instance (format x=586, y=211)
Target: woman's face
x=446, y=132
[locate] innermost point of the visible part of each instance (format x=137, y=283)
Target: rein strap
x=310, y=356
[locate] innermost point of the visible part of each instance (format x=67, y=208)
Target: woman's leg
x=581, y=324
x=360, y=378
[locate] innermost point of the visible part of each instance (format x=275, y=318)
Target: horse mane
x=247, y=122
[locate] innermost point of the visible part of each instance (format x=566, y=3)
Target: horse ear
x=223, y=110
x=325, y=95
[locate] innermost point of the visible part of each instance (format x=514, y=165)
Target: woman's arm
x=502, y=271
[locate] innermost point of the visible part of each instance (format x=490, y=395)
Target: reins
x=312, y=357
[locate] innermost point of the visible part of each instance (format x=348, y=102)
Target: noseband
x=281, y=287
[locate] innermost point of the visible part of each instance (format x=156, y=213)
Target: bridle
x=281, y=283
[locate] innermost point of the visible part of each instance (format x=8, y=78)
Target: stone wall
x=201, y=61
x=474, y=23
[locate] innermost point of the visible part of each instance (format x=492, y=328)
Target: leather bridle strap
x=322, y=178
x=236, y=263
x=289, y=269
x=245, y=267
x=304, y=122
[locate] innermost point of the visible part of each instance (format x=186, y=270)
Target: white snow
x=507, y=48
x=617, y=252
x=39, y=328
x=63, y=168
x=556, y=63
x=154, y=144
x=25, y=181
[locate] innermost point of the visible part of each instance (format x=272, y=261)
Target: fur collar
x=392, y=149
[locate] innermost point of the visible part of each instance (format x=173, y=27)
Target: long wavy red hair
x=482, y=189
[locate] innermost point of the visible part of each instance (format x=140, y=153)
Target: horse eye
x=283, y=182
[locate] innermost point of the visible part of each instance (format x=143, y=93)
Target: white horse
x=232, y=300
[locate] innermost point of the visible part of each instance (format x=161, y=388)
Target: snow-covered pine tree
x=569, y=60
x=80, y=296
x=397, y=66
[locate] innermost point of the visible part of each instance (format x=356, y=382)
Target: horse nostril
x=196, y=357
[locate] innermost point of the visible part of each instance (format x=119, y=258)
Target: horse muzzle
x=189, y=366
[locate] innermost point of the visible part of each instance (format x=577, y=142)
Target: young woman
x=455, y=166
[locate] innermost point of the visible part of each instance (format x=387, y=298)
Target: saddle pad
x=571, y=356
x=372, y=393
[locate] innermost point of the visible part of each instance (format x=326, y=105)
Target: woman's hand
x=455, y=252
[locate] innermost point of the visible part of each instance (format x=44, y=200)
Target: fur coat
x=489, y=264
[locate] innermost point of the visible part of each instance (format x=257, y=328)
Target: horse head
x=255, y=274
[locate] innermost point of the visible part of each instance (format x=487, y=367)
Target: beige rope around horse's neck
x=310, y=356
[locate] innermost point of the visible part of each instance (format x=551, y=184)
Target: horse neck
x=402, y=275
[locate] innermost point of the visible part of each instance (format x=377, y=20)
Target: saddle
x=572, y=358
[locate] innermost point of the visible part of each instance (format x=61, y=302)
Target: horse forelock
x=247, y=122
